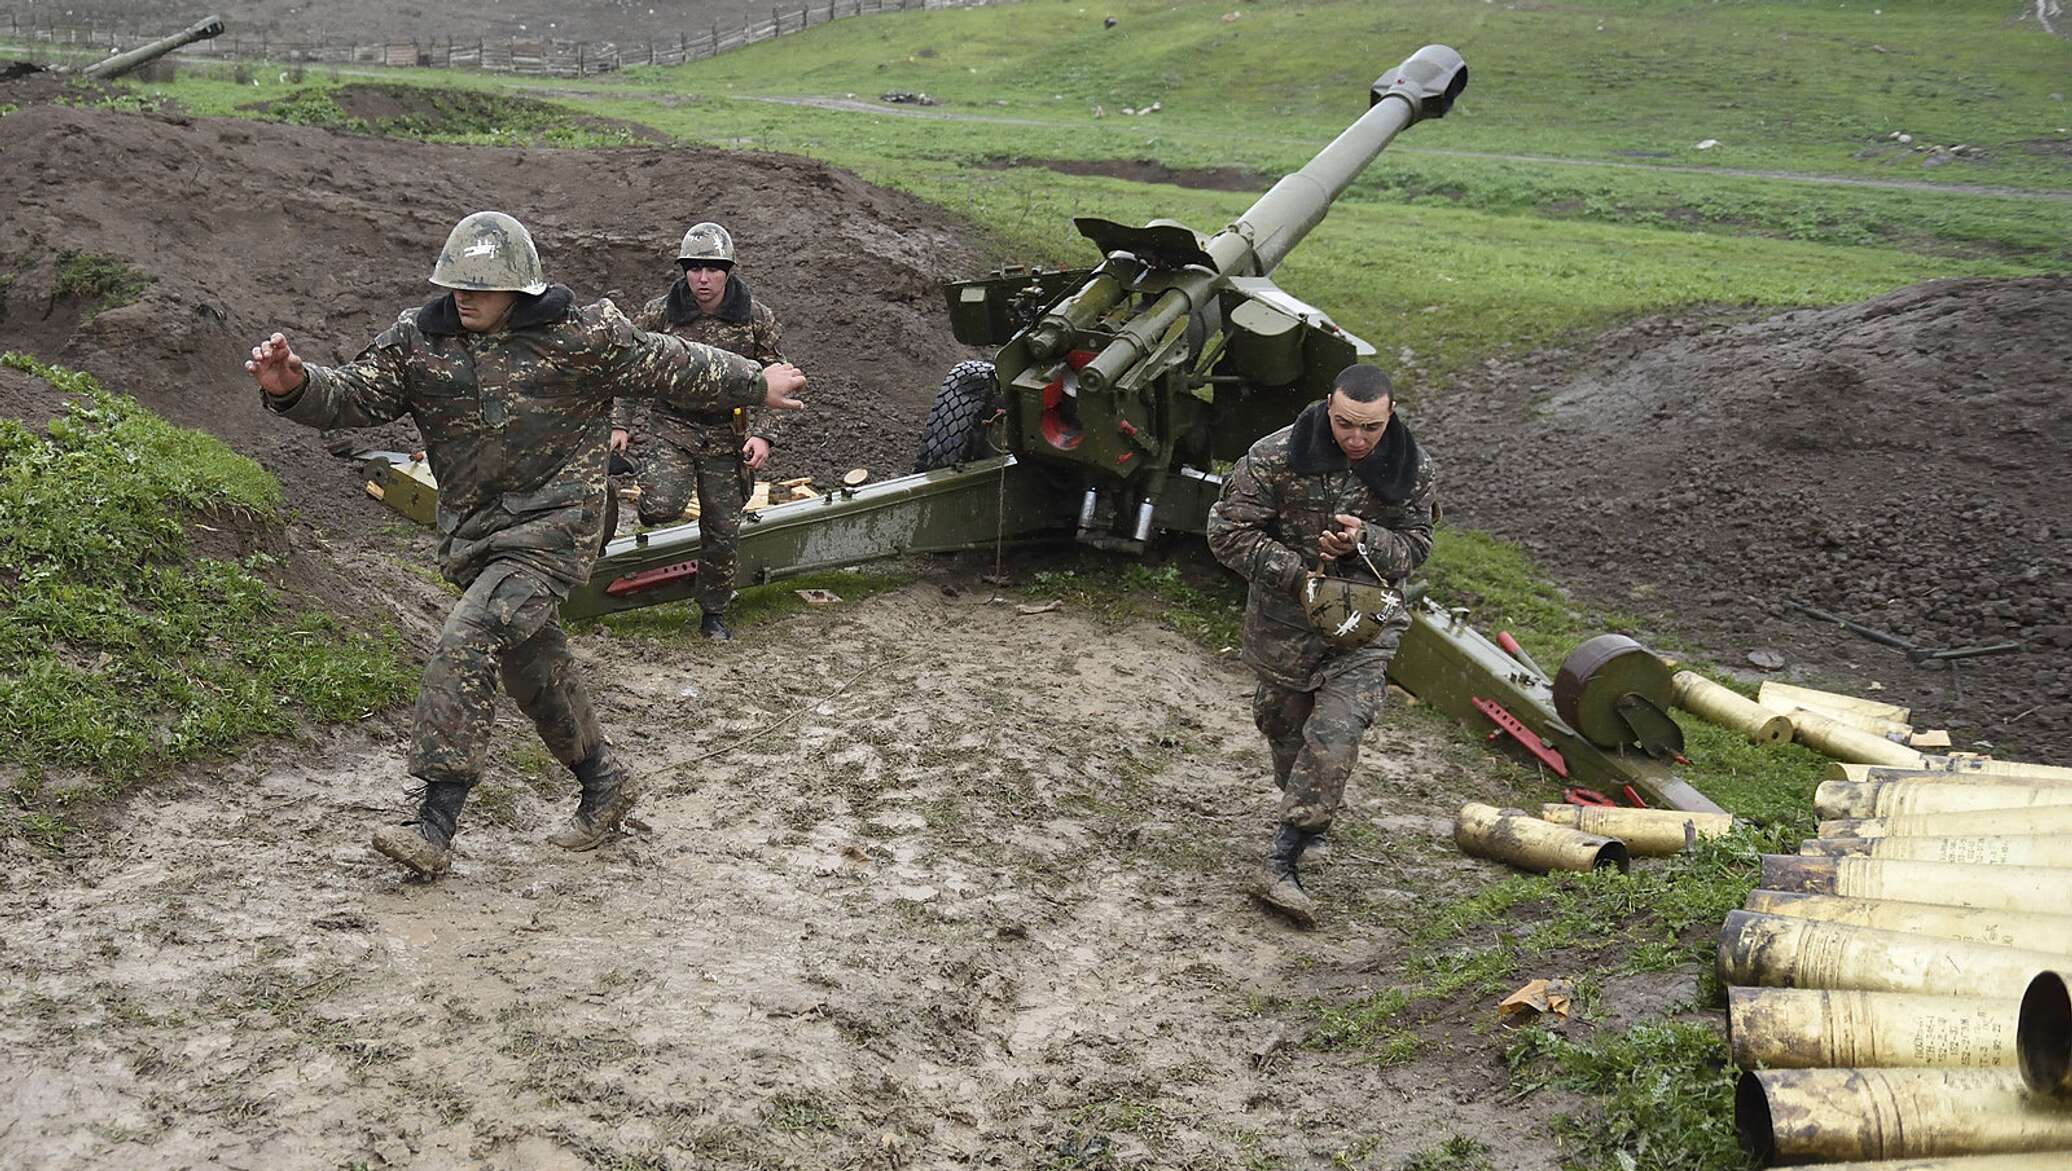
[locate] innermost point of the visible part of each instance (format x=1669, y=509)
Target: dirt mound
x=244, y=228
x=414, y=111
x=1897, y=463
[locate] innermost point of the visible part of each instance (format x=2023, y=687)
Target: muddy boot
x=1279, y=886
x=426, y=844
x=609, y=791
x=714, y=626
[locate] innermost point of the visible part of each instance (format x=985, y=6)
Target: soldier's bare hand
x=275, y=367
x=620, y=438
x=782, y=382
x=1342, y=540
x=755, y=451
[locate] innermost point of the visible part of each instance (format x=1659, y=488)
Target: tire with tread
x=956, y=427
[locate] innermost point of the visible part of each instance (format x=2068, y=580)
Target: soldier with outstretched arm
x=511, y=383
x=712, y=453
x=1324, y=519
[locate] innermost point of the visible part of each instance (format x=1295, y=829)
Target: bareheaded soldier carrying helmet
x=710, y=452
x=1324, y=519
x=512, y=385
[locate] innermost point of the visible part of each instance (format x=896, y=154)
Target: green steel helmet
x=1348, y=613
x=488, y=252
x=707, y=241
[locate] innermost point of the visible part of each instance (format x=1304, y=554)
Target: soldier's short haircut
x=1363, y=384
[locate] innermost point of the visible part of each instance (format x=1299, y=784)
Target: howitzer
x=113, y=67
x=1113, y=394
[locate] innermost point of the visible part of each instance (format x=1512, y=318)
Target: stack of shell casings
x=1897, y=990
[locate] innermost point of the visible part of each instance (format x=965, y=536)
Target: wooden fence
x=501, y=55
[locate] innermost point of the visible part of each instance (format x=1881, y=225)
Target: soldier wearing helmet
x=1324, y=519
x=512, y=385
x=709, y=452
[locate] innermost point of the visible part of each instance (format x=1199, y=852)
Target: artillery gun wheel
x=956, y=427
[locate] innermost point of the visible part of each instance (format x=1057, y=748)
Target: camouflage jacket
x=742, y=325
x=517, y=422
x=1276, y=503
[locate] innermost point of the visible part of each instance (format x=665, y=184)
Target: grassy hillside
x=1566, y=192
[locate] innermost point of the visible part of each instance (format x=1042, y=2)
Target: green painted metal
x=970, y=507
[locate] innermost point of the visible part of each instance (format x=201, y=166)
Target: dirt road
x=950, y=917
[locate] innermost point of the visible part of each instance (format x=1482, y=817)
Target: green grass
x=443, y=114
x=121, y=651
x=1667, y=1094
x=102, y=281
x=1122, y=589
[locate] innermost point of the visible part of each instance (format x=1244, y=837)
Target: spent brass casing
x=1947, y=884
x=1843, y=742
x=1650, y=833
x=2024, y=1161
x=1795, y=1115
x=2043, y=1035
x=1772, y=693
x=1817, y=1028
x=1886, y=798
x=1954, y=766
x=2029, y=930
x=1970, y=849
x=1728, y=708
x=2042, y=819
x=1777, y=951
x=1509, y=835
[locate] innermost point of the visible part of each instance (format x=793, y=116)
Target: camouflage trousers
x=711, y=464
x=505, y=624
x=1315, y=736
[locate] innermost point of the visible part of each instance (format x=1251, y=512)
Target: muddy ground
x=892, y=907
x=243, y=228
x=1898, y=463
x=367, y=21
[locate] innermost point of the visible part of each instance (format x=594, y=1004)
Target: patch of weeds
x=1117, y=589
x=799, y=1114
x=102, y=281
x=1666, y=1092
x=1459, y=1153
x=120, y=651
x=1371, y=1022
x=7, y=108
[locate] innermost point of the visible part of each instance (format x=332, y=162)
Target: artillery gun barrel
x=121, y=63
x=1423, y=86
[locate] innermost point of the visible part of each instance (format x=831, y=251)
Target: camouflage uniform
x=516, y=425
x=1314, y=700
x=702, y=449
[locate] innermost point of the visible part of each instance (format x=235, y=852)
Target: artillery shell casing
x=2043, y=1035
x=2046, y=819
x=1818, y=1028
x=1728, y=708
x=1650, y=833
x=2022, y=1161
x=2028, y=930
x=1843, y=742
x=1836, y=799
x=1955, y=766
x=1972, y=850
x=1795, y=1115
x=1774, y=694
x=1948, y=884
x=1525, y=841
x=1777, y=951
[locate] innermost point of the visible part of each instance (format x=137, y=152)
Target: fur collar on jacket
x=1389, y=471
x=530, y=310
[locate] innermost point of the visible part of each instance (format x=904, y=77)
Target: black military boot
x=714, y=626
x=425, y=845
x=1280, y=886
x=609, y=791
